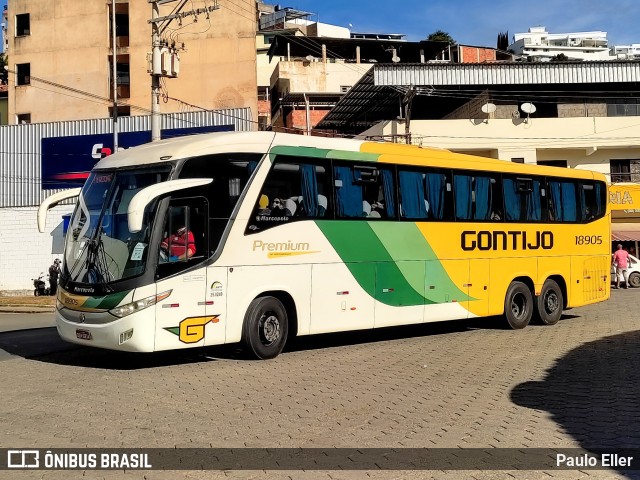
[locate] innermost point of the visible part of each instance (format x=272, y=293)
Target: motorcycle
x=40, y=287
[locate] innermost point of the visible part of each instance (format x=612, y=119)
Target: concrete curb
x=25, y=309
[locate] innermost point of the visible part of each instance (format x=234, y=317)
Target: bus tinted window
x=563, y=201
x=425, y=194
x=477, y=197
x=523, y=199
x=364, y=191
x=295, y=189
x=592, y=201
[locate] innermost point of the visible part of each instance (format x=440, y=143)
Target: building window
x=517, y=159
x=122, y=24
x=23, y=25
x=123, y=79
x=344, y=88
x=553, y=163
x=622, y=108
x=123, y=111
x=620, y=170
x=23, y=74
x=23, y=118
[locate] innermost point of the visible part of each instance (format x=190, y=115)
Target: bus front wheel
x=265, y=328
x=518, y=305
x=549, y=303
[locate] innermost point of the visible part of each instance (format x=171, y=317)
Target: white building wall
x=25, y=252
x=588, y=143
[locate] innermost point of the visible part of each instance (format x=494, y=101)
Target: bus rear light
x=125, y=336
x=129, y=308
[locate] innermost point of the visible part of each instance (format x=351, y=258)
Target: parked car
x=633, y=271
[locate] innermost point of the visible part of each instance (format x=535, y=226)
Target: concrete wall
x=299, y=76
x=69, y=44
x=24, y=252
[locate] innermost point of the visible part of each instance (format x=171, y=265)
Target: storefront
x=625, y=216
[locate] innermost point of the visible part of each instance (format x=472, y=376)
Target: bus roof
x=263, y=142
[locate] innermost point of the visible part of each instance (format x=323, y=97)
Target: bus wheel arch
x=269, y=320
x=518, y=303
x=551, y=301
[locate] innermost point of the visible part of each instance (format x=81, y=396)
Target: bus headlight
x=129, y=308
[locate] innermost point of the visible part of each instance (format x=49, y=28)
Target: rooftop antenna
x=528, y=108
x=488, y=108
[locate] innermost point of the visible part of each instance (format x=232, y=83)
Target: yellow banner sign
x=625, y=199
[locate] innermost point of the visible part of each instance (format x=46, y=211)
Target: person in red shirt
x=621, y=262
x=180, y=245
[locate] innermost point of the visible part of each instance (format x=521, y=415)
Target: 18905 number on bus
x=588, y=239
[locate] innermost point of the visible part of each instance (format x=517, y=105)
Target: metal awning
x=625, y=232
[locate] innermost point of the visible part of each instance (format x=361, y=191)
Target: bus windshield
x=99, y=246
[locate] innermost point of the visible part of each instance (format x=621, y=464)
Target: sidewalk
x=27, y=304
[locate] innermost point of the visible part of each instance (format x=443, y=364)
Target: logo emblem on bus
x=191, y=329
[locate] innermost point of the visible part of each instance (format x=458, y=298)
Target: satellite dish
x=488, y=108
x=395, y=59
x=528, y=108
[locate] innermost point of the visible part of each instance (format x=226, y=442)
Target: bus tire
x=518, y=305
x=265, y=328
x=549, y=303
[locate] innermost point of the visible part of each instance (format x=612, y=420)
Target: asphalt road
x=448, y=385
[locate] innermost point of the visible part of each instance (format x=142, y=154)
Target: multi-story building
x=540, y=45
x=626, y=52
x=61, y=58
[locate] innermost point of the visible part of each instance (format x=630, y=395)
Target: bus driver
x=178, y=246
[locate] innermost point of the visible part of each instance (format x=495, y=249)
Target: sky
x=475, y=22
x=2, y=4
x=478, y=22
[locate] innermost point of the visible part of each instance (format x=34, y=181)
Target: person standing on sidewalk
x=54, y=273
x=621, y=262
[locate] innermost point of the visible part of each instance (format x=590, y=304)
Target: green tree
x=4, y=61
x=441, y=36
x=561, y=57
x=503, y=41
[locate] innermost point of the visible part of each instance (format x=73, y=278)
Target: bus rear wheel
x=265, y=328
x=549, y=303
x=518, y=305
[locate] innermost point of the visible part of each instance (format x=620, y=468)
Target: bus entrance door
x=181, y=318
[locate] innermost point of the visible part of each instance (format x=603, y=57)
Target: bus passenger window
x=523, y=199
x=477, y=197
x=592, y=201
x=563, y=205
x=295, y=189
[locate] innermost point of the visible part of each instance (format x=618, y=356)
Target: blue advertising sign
x=67, y=161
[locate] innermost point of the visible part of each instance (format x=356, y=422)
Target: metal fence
x=20, y=146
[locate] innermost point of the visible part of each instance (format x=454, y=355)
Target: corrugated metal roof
x=376, y=96
x=20, y=146
x=507, y=73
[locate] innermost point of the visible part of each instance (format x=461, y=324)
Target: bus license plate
x=83, y=334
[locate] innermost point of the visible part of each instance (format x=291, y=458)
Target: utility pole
x=115, y=76
x=163, y=60
x=155, y=73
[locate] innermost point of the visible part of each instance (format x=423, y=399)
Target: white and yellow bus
x=294, y=235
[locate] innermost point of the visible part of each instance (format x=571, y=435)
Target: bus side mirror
x=135, y=212
x=51, y=202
